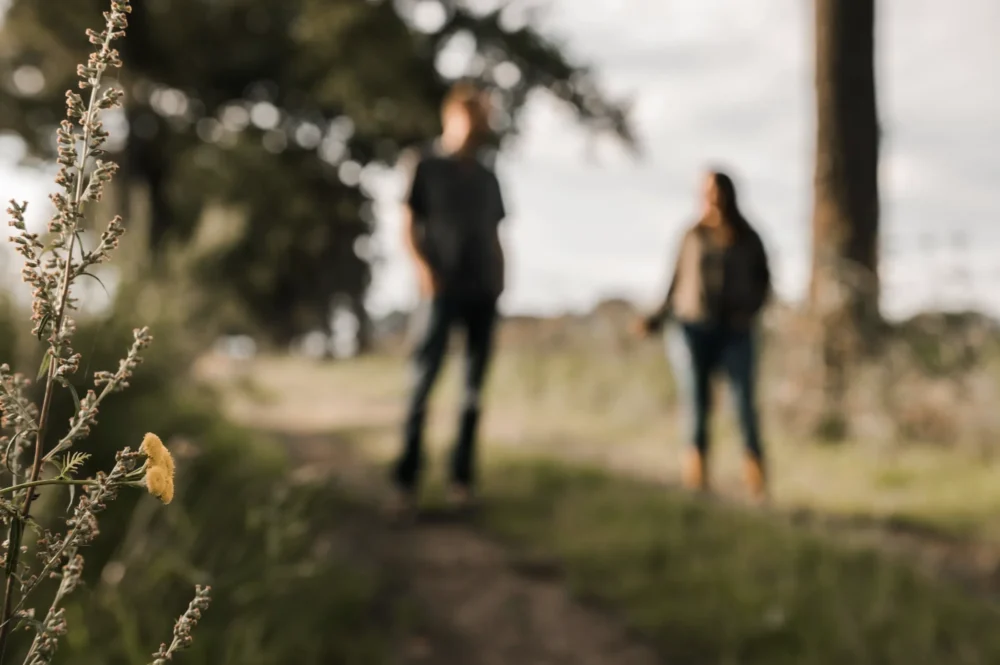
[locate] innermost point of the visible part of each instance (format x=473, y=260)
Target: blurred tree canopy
x=276, y=108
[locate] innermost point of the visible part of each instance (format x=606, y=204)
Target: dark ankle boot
x=464, y=455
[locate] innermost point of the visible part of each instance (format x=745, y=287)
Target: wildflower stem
x=65, y=586
x=22, y=411
x=71, y=540
x=49, y=566
x=42, y=483
x=55, y=340
x=67, y=440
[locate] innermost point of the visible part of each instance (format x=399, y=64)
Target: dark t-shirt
x=457, y=209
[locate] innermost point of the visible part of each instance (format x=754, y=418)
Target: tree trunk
x=844, y=288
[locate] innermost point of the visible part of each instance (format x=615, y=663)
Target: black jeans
x=706, y=348
x=478, y=318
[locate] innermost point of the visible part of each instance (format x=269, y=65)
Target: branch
x=42, y=483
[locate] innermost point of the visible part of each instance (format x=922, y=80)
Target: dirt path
x=469, y=585
x=475, y=604
x=293, y=402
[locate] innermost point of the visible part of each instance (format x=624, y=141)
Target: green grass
x=715, y=584
x=707, y=582
x=287, y=585
x=619, y=407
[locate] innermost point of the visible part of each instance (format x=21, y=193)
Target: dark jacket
x=712, y=283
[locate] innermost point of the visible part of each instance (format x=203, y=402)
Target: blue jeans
x=696, y=352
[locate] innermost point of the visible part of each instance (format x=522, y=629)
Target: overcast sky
x=729, y=82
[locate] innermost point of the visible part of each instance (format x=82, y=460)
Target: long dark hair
x=728, y=202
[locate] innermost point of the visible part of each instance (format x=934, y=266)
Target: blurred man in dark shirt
x=453, y=211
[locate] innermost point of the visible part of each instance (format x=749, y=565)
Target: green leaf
x=46, y=361
x=79, y=244
x=72, y=497
x=93, y=276
x=72, y=462
x=76, y=395
x=16, y=530
x=10, y=449
x=41, y=326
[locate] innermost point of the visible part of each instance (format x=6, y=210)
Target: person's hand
x=640, y=328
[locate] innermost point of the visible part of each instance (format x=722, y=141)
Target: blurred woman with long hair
x=720, y=283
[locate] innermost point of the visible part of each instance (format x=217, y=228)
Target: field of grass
x=867, y=554
x=709, y=582
x=579, y=464
x=622, y=408
x=619, y=410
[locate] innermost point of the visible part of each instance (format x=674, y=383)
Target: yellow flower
x=157, y=453
x=160, y=484
x=159, y=468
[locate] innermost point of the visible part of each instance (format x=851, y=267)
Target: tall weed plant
x=33, y=554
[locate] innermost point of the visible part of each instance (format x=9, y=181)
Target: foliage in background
x=235, y=101
x=51, y=267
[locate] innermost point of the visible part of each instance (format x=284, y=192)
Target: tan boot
x=694, y=473
x=756, y=479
